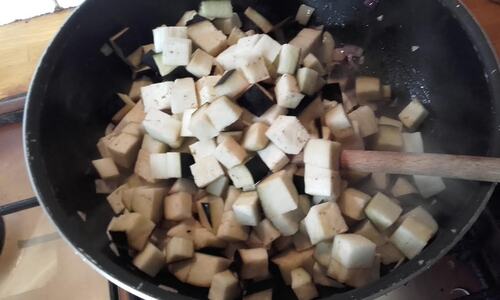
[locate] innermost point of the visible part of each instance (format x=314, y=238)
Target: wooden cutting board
x=22, y=43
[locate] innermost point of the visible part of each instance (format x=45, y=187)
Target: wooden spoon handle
x=442, y=165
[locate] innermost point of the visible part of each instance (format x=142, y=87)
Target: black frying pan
x=72, y=98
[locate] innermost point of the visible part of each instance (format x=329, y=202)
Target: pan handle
x=20, y=205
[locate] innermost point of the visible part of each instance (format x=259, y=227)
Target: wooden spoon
x=442, y=165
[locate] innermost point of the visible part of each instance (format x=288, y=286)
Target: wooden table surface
x=22, y=43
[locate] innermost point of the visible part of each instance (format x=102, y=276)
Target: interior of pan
x=72, y=98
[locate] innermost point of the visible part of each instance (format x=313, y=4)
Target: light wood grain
x=442, y=165
x=21, y=45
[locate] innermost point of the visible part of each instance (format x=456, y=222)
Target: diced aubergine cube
x=383, y=120
x=151, y=145
x=157, y=96
x=186, y=121
x=312, y=62
x=124, y=148
x=322, y=182
x=177, y=249
x=288, y=134
x=304, y=14
x=183, y=95
x=259, y=20
x=201, y=126
x=327, y=50
x=210, y=210
x=115, y=199
x=323, y=253
x=218, y=187
x=368, y=89
x=229, y=153
x=150, y=260
x=402, y=187
x=176, y=51
x=187, y=16
x=277, y=194
x=230, y=229
x=225, y=285
x=234, y=36
x=273, y=157
x=266, y=232
x=255, y=138
x=271, y=115
x=322, y=153
x=268, y=48
x=413, y=142
x=287, y=92
x=236, y=135
x=148, y=202
x=288, y=59
x=205, y=88
x=171, y=165
x=368, y=123
x=216, y=9
x=199, y=270
x=256, y=100
x=178, y=206
x=413, y=114
x=302, y=285
x=207, y=37
x=389, y=254
x=241, y=176
x=223, y=112
x=254, y=263
x=290, y=260
x=232, y=195
x=301, y=240
x=324, y=221
x=353, y=251
x=380, y=181
x=202, y=149
x=338, y=122
x=162, y=127
x=368, y=230
x=227, y=25
x=232, y=84
x=136, y=226
x=196, y=18
x=255, y=70
x=382, y=211
x=429, y=186
x=204, y=238
x=354, y=277
x=247, y=209
x=308, y=80
x=415, y=230
x=307, y=39
x=320, y=278
x=388, y=138
x=106, y=168
x=201, y=63
x=206, y=171
x=352, y=203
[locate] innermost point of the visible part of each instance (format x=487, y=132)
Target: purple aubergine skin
x=72, y=98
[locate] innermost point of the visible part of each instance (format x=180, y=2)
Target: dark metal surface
x=72, y=98
x=17, y=206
